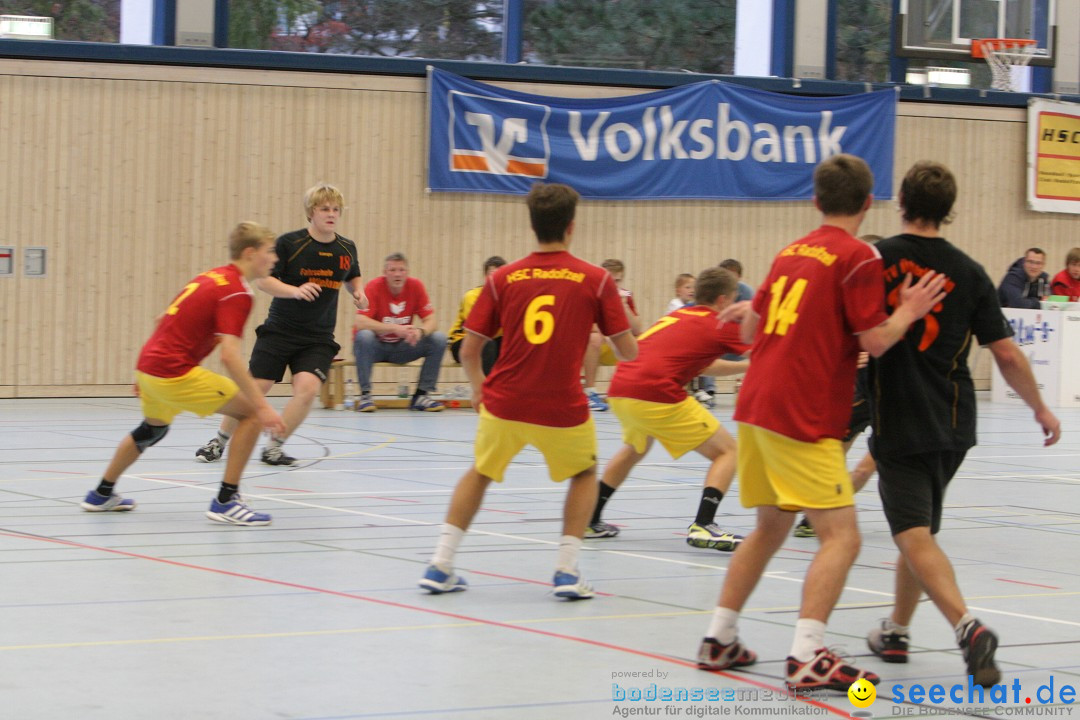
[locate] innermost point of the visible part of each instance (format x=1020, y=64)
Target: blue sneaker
x=571, y=587
x=596, y=403
x=426, y=403
x=437, y=582
x=365, y=404
x=96, y=502
x=235, y=512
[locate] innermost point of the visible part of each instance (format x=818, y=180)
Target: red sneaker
x=825, y=671
x=714, y=656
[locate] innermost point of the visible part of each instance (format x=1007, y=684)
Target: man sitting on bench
x=385, y=332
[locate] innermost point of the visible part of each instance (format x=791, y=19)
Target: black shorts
x=276, y=350
x=912, y=488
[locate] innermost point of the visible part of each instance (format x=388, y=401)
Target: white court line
x=525, y=538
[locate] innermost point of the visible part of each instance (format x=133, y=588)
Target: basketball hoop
x=1002, y=55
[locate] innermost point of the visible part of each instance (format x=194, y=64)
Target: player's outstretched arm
x=356, y=289
x=625, y=345
x=233, y=359
x=719, y=368
x=915, y=301
x=1017, y=373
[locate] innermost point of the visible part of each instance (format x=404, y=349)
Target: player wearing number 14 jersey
x=545, y=304
x=822, y=302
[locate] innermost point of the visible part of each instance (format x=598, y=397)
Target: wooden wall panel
x=133, y=175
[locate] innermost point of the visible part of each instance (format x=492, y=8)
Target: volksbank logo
x=498, y=136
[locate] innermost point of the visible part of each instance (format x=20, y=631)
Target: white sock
x=274, y=442
x=449, y=539
x=569, y=549
x=961, y=627
x=891, y=626
x=591, y=390
x=809, y=638
x=223, y=438
x=723, y=626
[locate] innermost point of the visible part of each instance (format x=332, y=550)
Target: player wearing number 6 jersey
x=545, y=304
x=822, y=302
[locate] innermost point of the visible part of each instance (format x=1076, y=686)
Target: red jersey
x=396, y=309
x=1063, y=284
x=546, y=304
x=821, y=292
x=673, y=352
x=214, y=303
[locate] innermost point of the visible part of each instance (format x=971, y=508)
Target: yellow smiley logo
x=862, y=693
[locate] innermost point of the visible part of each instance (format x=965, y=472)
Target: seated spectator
x=1025, y=285
x=684, y=292
x=457, y=333
x=385, y=332
x=599, y=352
x=745, y=292
x=1067, y=282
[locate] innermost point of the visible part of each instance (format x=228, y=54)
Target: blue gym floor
x=160, y=613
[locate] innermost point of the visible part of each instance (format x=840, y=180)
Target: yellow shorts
x=607, y=355
x=567, y=451
x=680, y=427
x=790, y=474
x=198, y=390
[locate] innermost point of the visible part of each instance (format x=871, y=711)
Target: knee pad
x=146, y=435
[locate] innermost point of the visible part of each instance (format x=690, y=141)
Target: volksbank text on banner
x=705, y=140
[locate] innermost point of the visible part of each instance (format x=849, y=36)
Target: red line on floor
x=441, y=613
x=1021, y=582
x=509, y=512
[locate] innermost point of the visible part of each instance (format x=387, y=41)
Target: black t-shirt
x=301, y=259
x=921, y=391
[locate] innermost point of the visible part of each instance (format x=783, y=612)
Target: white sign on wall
x=1049, y=339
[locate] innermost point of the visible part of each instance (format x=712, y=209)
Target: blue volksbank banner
x=706, y=140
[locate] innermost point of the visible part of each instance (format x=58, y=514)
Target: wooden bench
x=333, y=390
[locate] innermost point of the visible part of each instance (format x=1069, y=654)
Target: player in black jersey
x=313, y=264
x=923, y=413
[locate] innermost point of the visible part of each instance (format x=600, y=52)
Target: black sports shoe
x=210, y=452
x=979, y=644
x=804, y=529
x=714, y=656
x=277, y=456
x=890, y=646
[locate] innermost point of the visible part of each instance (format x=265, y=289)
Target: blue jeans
x=369, y=350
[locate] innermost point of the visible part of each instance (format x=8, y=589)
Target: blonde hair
x=246, y=235
x=681, y=279
x=322, y=193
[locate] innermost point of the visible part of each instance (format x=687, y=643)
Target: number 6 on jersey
x=539, y=323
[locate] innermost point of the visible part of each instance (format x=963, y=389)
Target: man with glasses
x=1026, y=284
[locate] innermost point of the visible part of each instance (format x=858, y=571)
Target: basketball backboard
x=944, y=29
